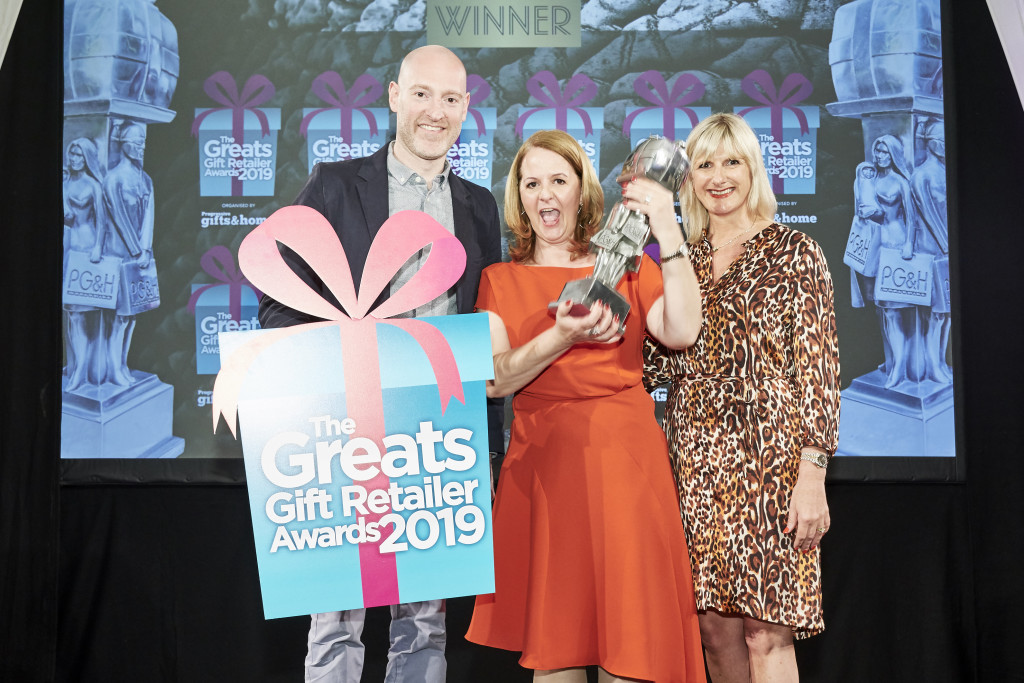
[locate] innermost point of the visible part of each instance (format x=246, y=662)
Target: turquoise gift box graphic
x=792, y=159
x=364, y=436
x=231, y=166
x=324, y=142
x=472, y=155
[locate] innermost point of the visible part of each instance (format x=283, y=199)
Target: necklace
x=735, y=237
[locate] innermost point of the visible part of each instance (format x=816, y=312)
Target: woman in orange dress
x=752, y=413
x=591, y=565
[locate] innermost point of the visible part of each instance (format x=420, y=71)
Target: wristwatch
x=683, y=250
x=819, y=459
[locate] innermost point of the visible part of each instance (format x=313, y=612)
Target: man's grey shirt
x=407, y=190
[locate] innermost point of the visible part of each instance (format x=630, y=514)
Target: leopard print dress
x=761, y=381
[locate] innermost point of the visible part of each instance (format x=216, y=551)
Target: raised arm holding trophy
x=620, y=243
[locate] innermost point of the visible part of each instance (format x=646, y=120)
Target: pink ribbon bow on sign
x=651, y=86
x=795, y=89
x=312, y=238
x=219, y=263
x=221, y=87
x=579, y=89
x=479, y=90
x=330, y=87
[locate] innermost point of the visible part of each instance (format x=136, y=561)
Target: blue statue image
x=84, y=218
x=928, y=185
x=121, y=68
x=128, y=199
x=884, y=196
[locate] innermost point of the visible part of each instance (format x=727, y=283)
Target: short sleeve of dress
x=816, y=349
x=486, y=298
x=656, y=364
x=651, y=286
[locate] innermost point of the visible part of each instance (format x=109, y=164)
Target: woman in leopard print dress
x=752, y=412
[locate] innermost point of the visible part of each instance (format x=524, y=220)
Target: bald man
x=430, y=102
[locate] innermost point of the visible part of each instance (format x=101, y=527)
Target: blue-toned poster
x=847, y=102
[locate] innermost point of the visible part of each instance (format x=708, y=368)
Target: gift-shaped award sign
x=347, y=128
x=562, y=110
x=472, y=154
x=788, y=133
x=668, y=114
x=364, y=436
x=238, y=141
x=228, y=305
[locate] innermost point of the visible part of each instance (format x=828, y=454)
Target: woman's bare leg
x=772, y=656
x=725, y=647
x=573, y=675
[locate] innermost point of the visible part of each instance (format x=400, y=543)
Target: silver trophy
x=620, y=243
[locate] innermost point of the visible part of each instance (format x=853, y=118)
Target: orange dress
x=591, y=565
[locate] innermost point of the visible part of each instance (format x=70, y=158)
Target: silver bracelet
x=683, y=250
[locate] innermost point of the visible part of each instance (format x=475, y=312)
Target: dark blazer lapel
x=465, y=231
x=373, y=191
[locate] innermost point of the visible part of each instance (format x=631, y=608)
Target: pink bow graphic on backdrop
x=651, y=86
x=330, y=87
x=479, y=90
x=579, y=89
x=309, y=235
x=795, y=89
x=221, y=87
x=219, y=263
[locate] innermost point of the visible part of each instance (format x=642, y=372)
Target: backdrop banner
x=179, y=147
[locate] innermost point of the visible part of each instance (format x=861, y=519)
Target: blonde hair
x=591, y=195
x=737, y=140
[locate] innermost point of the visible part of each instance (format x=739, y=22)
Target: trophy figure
x=620, y=243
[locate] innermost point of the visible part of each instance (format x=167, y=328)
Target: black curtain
x=30, y=162
x=158, y=583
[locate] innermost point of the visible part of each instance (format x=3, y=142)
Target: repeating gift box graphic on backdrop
x=563, y=110
x=230, y=304
x=668, y=114
x=788, y=133
x=472, y=154
x=348, y=128
x=364, y=436
x=237, y=141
